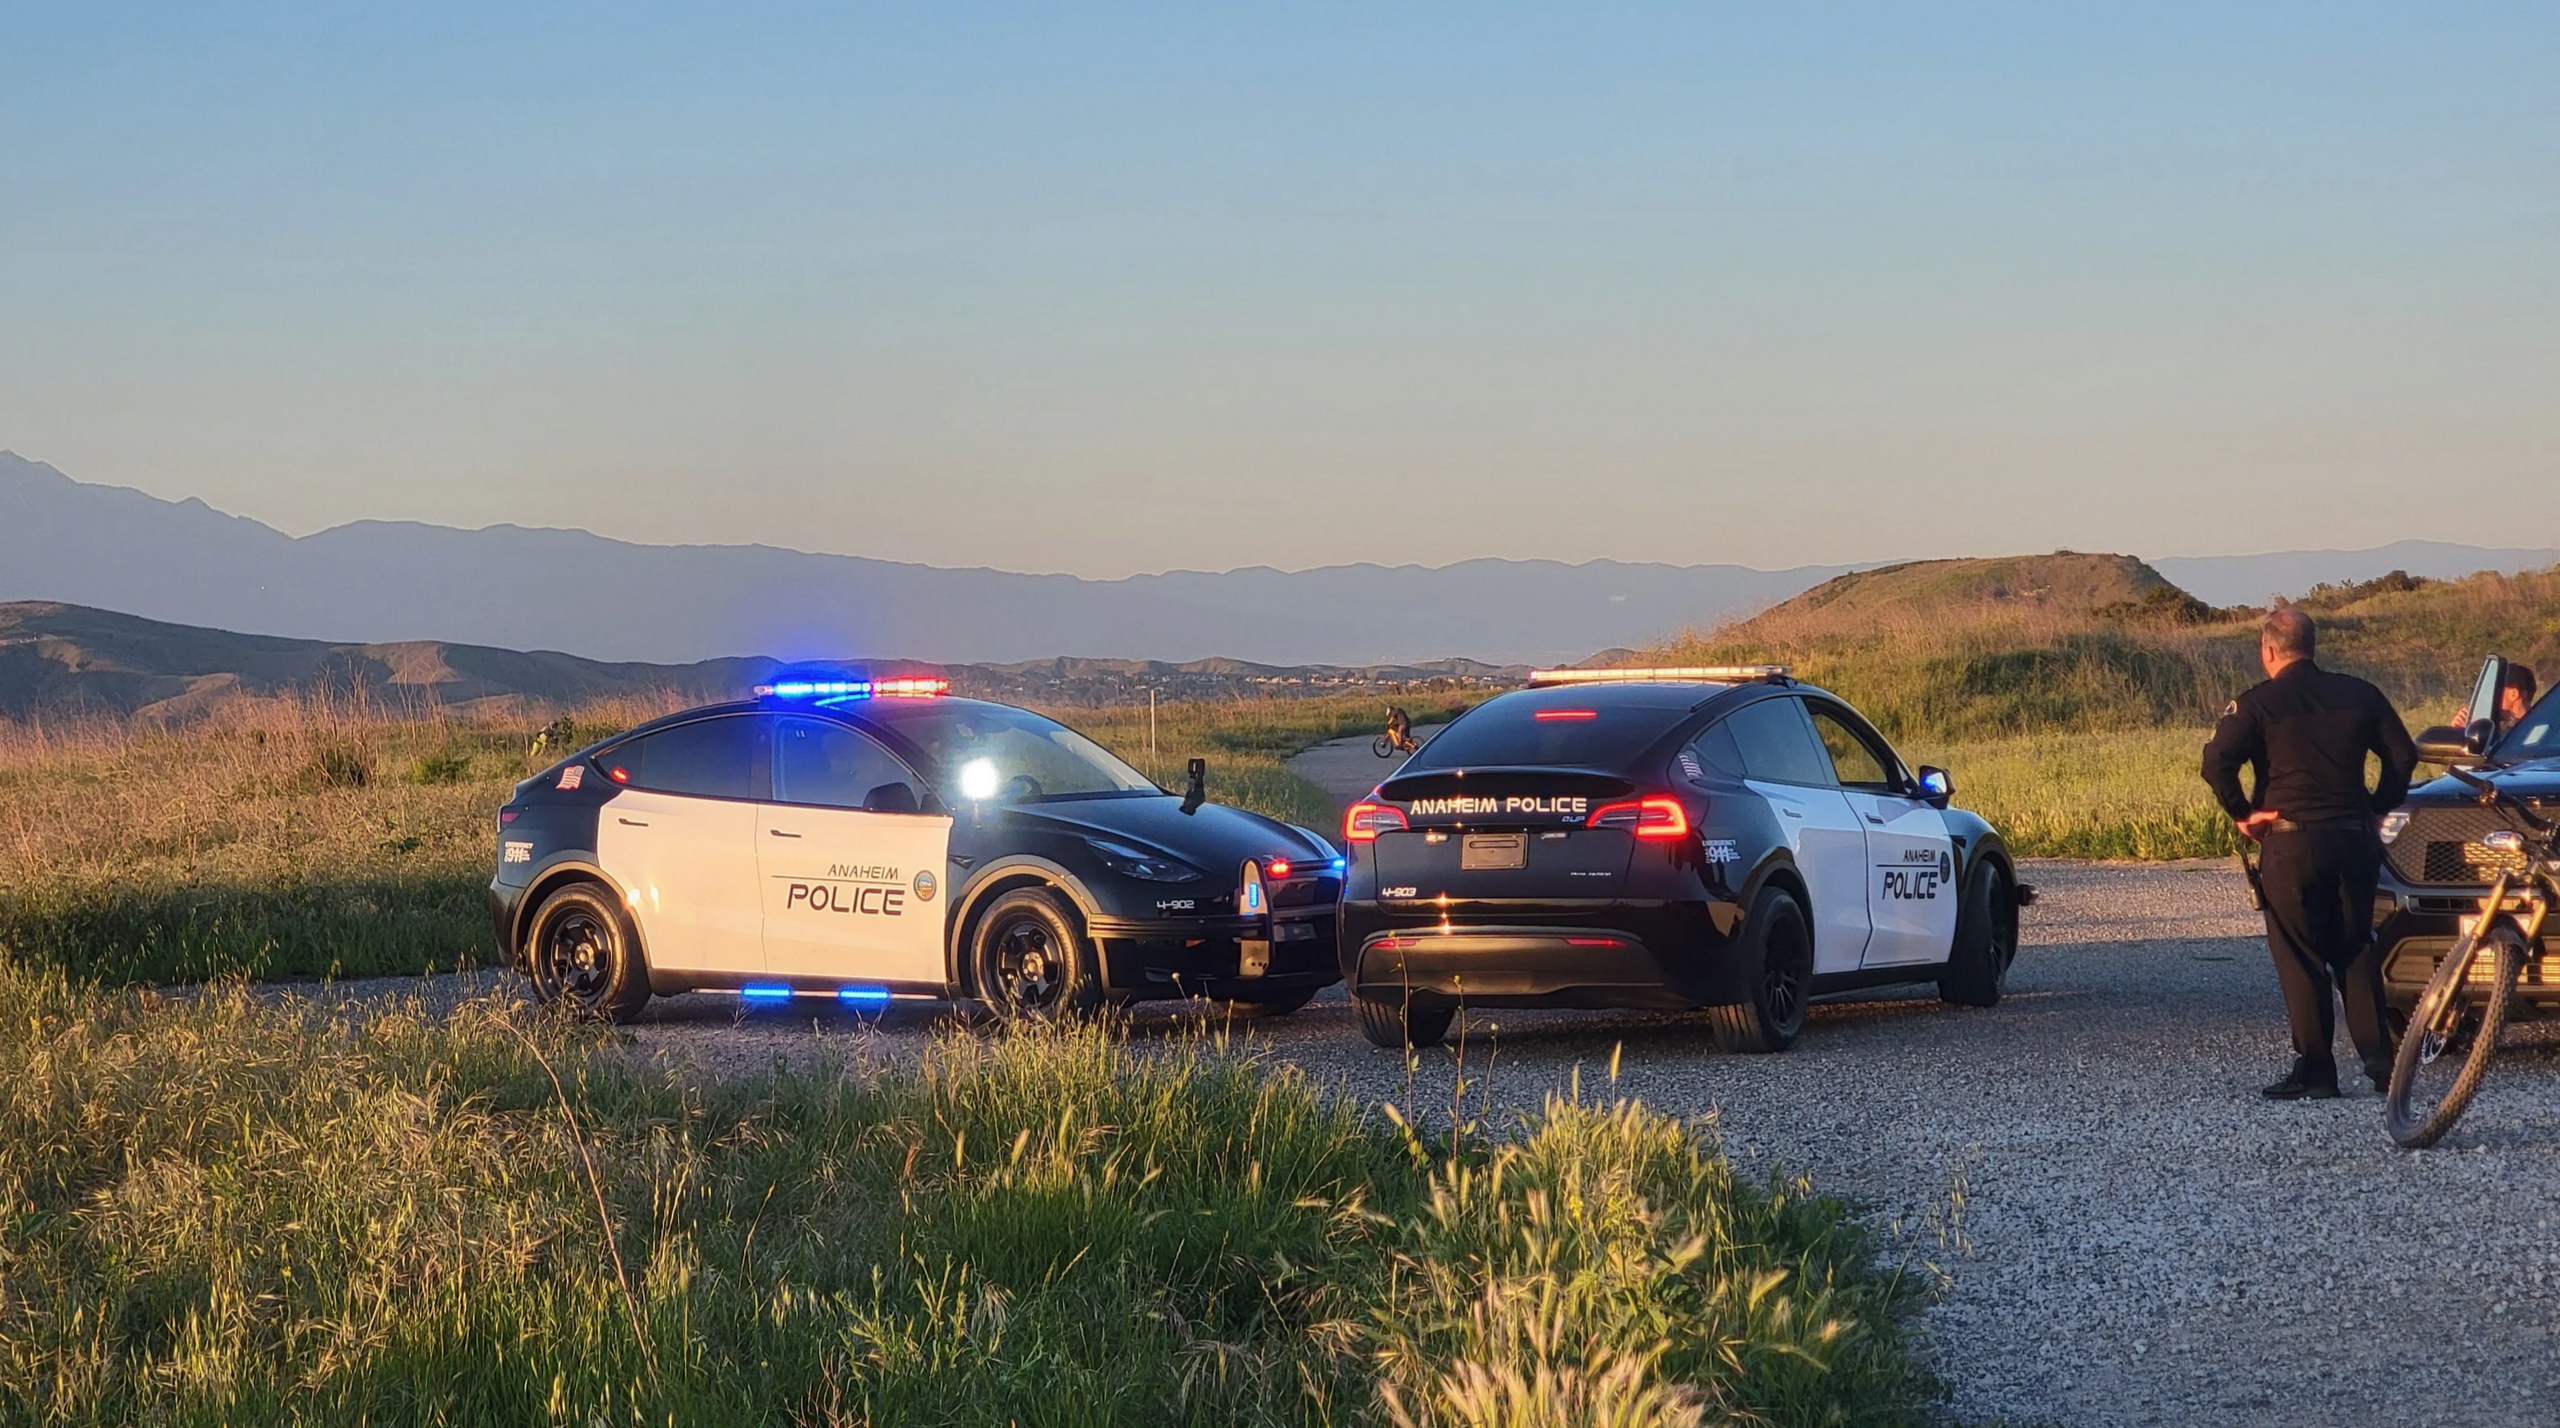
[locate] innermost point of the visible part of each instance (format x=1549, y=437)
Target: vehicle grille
x=2413, y=962
x=2442, y=845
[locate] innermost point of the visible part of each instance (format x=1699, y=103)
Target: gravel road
x=2126, y=1233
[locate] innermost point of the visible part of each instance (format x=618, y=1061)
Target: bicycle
x=1398, y=739
x=2464, y=1000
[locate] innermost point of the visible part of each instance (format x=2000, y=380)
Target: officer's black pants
x=2319, y=894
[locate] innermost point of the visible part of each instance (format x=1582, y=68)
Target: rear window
x=1536, y=733
x=714, y=758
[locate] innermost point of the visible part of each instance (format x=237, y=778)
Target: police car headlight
x=1130, y=862
x=2392, y=823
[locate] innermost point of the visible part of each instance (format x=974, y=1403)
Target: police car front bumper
x=1234, y=957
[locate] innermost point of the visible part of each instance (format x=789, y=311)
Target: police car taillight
x=1645, y=817
x=1366, y=821
x=1277, y=870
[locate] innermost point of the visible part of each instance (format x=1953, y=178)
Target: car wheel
x=1400, y=1023
x=1777, y=963
x=584, y=956
x=1277, y=1004
x=1986, y=941
x=1029, y=959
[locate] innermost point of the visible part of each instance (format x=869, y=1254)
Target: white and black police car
x=859, y=839
x=1672, y=838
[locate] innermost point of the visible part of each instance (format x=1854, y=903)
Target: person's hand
x=2255, y=826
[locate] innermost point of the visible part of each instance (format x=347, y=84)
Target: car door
x=680, y=837
x=1911, y=897
x=1785, y=764
x=853, y=866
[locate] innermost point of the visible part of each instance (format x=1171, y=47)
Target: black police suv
x=1701, y=837
x=862, y=839
x=2435, y=866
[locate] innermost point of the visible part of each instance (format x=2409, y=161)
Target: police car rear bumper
x=1647, y=956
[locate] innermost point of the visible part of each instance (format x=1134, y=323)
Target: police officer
x=2306, y=731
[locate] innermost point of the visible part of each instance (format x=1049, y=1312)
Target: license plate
x=1490, y=851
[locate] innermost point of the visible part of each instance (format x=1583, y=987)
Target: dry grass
x=234, y=1209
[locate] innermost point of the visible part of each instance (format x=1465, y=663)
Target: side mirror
x=890, y=798
x=2445, y=744
x=1196, y=790
x=1937, y=786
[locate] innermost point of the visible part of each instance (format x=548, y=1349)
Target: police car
x=1701, y=837
x=857, y=840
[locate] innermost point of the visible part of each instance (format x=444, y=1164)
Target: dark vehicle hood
x=2537, y=780
x=1216, y=839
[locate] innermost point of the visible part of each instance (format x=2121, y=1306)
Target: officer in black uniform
x=2306, y=731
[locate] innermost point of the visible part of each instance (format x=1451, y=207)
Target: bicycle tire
x=2412, y=1129
x=1383, y=747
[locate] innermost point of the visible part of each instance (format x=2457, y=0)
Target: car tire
x=1776, y=958
x=1278, y=1004
x=1986, y=941
x=1400, y=1023
x=1029, y=960
x=584, y=955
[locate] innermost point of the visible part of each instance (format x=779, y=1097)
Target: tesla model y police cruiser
x=862, y=839
x=1699, y=837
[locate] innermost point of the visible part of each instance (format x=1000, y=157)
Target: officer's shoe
x=2304, y=1083
x=2377, y=1069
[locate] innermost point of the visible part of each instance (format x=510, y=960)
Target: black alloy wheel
x=1986, y=943
x=1777, y=968
x=1031, y=960
x=584, y=957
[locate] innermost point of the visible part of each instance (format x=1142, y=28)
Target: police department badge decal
x=926, y=887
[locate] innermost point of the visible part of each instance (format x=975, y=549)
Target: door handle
x=1791, y=813
x=1871, y=818
x=629, y=822
x=778, y=833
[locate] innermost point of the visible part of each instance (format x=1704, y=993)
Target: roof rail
x=1687, y=673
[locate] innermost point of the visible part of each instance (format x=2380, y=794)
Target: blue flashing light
x=871, y=997
x=902, y=687
x=764, y=992
x=1339, y=865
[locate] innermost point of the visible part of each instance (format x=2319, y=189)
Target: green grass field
x=235, y=1210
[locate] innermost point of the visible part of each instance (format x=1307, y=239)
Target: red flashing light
x=1566, y=714
x=1276, y=869
x=909, y=687
x=1648, y=818
x=1366, y=821
x=618, y=774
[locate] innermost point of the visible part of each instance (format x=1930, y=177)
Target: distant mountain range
x=376, y=583
x=512, y=587
x=68, y=659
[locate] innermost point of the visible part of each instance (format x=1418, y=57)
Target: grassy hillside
x=2071, y=694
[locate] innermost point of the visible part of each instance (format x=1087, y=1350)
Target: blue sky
x=1107, y=289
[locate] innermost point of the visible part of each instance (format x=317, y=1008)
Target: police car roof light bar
x=1683, y=674
x=903, y=687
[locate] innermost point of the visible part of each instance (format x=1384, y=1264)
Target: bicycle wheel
x=1383, y=747
x=2431, y=1084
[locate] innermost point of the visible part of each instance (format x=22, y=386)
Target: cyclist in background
x=1399, y=730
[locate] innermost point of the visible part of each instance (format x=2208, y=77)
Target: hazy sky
x=1108, y=288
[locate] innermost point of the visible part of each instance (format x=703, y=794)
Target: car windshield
x=2535, y=736
x=1551, y=728
x=981, y=752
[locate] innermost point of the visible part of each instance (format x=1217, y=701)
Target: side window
x=711, y=758
x=1857, y=762
x=1713, y=755
x=816, y=761
x=1777, y=744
